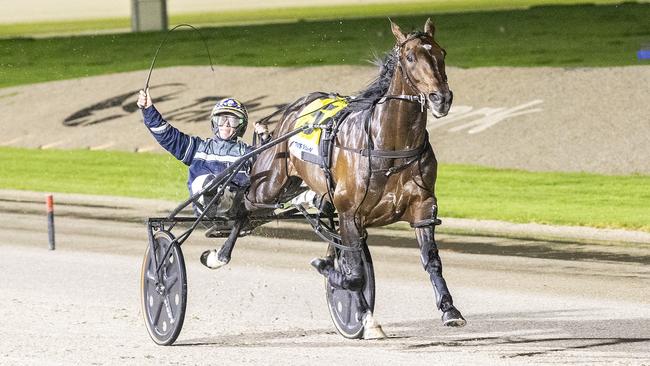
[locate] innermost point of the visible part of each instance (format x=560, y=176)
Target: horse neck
x=402, y=124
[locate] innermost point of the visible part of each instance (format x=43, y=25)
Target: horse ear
x=429, y=28
x=397, y=32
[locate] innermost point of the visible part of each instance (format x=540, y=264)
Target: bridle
x=420, y=97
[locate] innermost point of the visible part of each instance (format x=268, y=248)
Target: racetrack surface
x=539, y=119
x=80, y=303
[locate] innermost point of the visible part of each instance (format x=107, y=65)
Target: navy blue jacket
x=203, y=156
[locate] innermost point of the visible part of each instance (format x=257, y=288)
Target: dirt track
x=547, y=119
x=80, y=305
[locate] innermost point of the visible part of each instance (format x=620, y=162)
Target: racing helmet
x=232, y=106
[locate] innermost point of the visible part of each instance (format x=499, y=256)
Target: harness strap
x=399, y=168
x=408, y=97
x=420, y=99
x=387, y=154
x=427, y=222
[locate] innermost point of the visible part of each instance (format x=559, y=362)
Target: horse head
x=422, y=62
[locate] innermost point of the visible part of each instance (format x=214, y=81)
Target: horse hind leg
x=350, y=274
x=348, y=277
x=433, y=265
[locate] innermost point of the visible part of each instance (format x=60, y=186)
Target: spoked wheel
x=344, y=305
x=164, y=296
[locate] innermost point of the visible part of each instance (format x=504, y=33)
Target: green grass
x=93, y=172
x=566, y=36
x=281, y=14
x=547, y=198
x=463, y=191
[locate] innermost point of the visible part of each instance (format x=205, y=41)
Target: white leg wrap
x=372, y=329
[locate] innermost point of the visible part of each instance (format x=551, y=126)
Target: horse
x=380, y=169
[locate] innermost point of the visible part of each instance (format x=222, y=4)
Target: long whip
x=153, y=61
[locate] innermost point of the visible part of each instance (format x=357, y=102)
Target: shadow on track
x=481, y=245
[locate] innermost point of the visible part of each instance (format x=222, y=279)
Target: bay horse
x=382, y=168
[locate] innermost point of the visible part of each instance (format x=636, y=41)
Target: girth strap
x=388, y=154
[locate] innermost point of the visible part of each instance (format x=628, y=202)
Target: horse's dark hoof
x=453, y=318
x=322, y=265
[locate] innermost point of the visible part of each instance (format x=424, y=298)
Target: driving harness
x=365, y=106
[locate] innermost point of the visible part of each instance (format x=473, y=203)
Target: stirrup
x=213, y=232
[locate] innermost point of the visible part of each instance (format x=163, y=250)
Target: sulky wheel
x=344, y=305
x=164, y=296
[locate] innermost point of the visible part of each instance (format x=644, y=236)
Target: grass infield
x=275, y=15
x=463, y=191
x=557, y=35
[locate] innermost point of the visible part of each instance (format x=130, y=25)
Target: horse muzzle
x=440, y=102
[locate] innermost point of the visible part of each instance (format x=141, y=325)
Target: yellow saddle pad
x=318, y=111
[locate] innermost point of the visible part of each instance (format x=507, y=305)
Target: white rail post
x=148, y=15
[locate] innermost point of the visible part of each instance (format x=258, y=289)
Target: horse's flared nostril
x=435, y=98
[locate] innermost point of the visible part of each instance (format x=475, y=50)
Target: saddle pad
x=318, y=111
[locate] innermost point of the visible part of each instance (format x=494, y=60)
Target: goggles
x=226, y=120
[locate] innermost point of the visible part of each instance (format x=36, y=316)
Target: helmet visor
x=226, y=120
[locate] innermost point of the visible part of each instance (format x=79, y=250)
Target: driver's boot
x=215, y=259
x=211, y=259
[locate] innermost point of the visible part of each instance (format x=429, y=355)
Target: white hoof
x=372, y=329
x=210, y=259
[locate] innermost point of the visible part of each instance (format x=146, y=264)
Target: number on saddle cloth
x=305, y=146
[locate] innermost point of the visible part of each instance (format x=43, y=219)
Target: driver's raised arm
x=180, y=145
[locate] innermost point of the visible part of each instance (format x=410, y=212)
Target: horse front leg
x=433, y=265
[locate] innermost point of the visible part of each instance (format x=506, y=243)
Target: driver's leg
x=214, y=258
x=228, y=207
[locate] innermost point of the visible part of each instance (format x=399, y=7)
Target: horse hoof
x=210, y=259
x=453, y=318
x=372, y=329
x=322, y=265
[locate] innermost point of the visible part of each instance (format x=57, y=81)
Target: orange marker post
x=50, y=220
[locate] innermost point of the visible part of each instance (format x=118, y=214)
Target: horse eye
x=409, y=57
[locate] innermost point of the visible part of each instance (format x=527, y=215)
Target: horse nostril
x=435, y=98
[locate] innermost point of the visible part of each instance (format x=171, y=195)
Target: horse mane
x=379, y=86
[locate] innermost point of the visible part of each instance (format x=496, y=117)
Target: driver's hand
x=144, y=99
x=261, y=129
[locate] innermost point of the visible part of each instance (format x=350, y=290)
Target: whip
x=153, y=61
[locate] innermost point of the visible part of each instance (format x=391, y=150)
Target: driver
x=207, y=158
